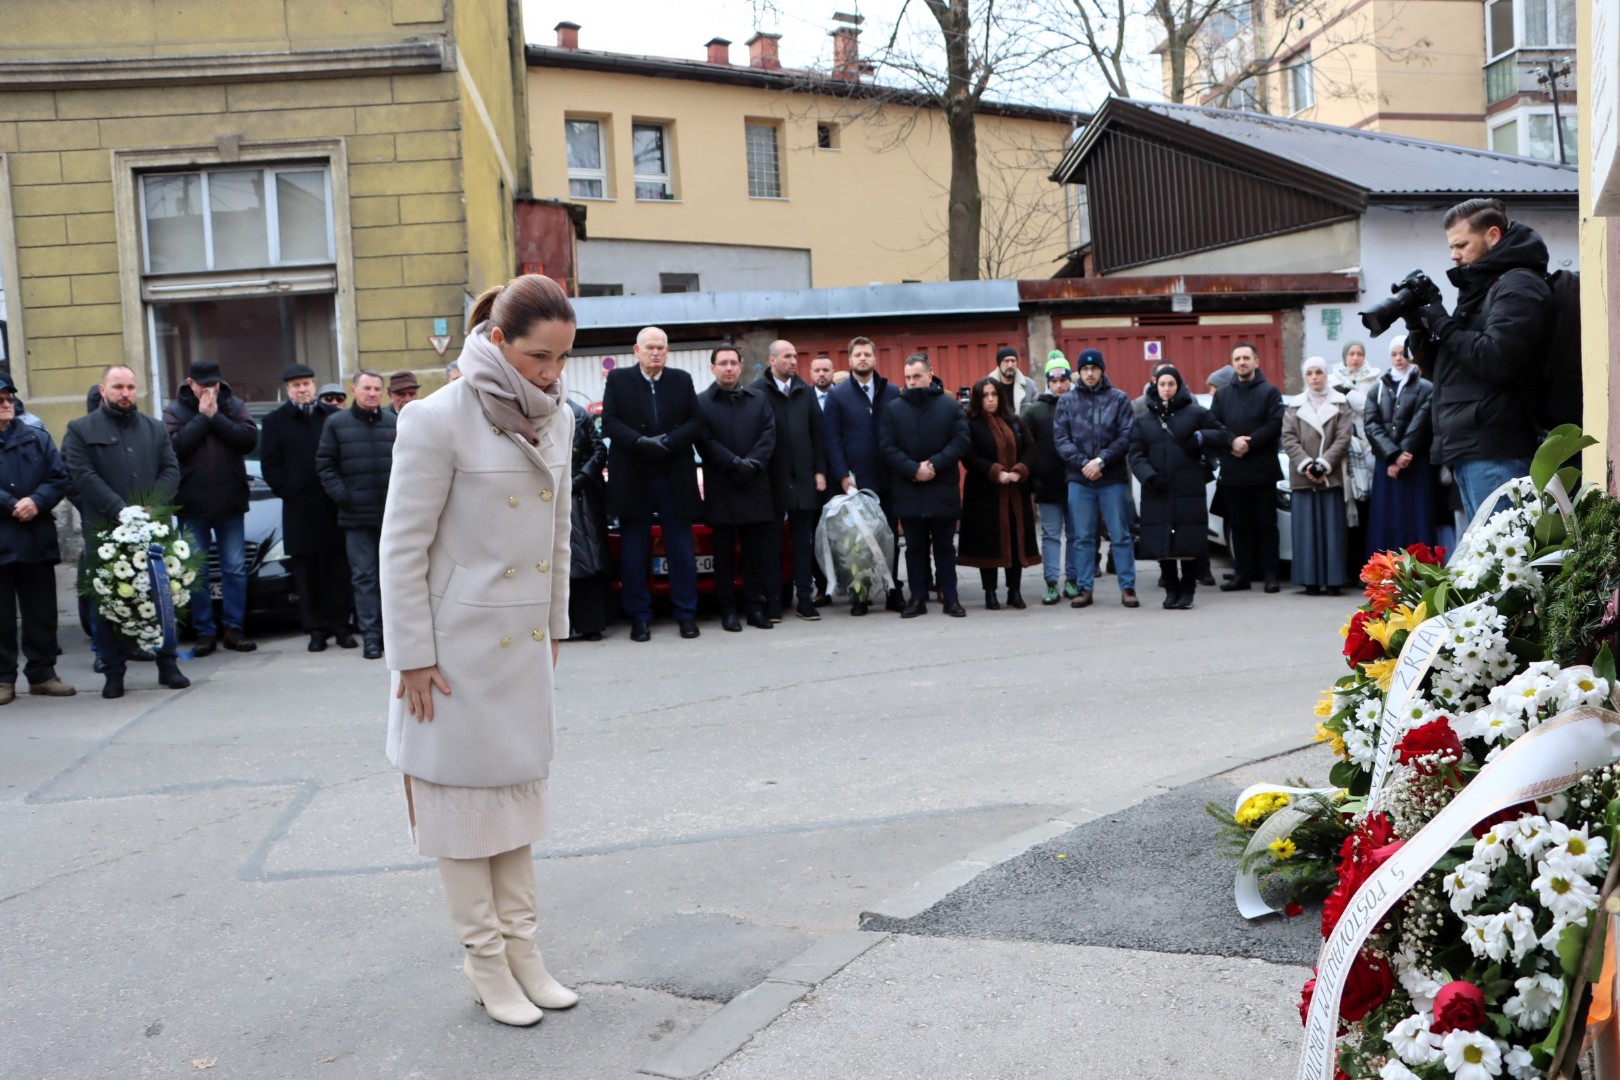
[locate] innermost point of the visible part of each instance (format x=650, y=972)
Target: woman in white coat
x=474, y=569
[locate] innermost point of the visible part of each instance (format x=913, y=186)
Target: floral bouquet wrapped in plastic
x=855, y=546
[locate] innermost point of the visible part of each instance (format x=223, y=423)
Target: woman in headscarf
x=998, y=508
x=1399, y=426
x=475, y=558
x=1355, y=379
x=1316, y=436
x=1171, y=441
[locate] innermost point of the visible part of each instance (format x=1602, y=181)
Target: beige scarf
x=511, y=402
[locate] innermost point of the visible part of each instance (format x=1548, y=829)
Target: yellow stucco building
x=714, y=175
x=262, y=184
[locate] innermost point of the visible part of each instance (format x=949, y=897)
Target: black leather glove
x=655, y=447
x=1156, y=483
x=744, y=470
x=1434, y=318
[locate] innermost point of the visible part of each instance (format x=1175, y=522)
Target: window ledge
x=769, y=198
x=661, y=202
x=591, y=198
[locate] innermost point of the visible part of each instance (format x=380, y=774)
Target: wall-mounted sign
x=440, y=342
x=608, y=364
x=1152, y=351
x=441, y=327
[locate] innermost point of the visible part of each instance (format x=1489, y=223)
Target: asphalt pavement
x=223, y=876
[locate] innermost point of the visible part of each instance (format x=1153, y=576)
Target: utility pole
x=1549, y=79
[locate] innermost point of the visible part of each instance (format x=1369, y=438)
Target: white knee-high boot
x=513, y=874
x=470, y=892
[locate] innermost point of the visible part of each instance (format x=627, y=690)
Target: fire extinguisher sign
x=1152, y=351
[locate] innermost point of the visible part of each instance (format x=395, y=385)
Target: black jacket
x=1253, y=408
x=1486, y=356
x=1174, y=520
x=1051, y=478
x=288, y=440
x=354, y=460
x=114, y=457
x=737, y=424
x=801, y=451
x=212, y=452
x=588, y=543
x=851, y=426
x=30, y=468
x=998, y=520
x=627, y=416
x=925, y=424
x=1397, y=425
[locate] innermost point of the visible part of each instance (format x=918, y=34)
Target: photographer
x=1486, y=357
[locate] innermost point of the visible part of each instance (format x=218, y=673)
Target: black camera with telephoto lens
x=1413, y=291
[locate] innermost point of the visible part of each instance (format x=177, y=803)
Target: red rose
x=1423, y=553
x=1306, y=992
x=1368, y=986
x=1358, y=647
x=1512, y=813
x=1363, y=852
x=1459, y=1006
x=1291, y=909
x=1435, y=737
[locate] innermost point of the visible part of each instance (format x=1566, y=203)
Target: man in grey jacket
x=1092, y=429
x=115, y=454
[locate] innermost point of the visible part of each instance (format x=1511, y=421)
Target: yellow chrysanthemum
x=1282, y=849
x=1334, y=740
x=1406, y=618
x=1256, y=808
x=1324, y=708
x=1381, y=671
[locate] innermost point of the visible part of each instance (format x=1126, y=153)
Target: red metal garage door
x=1197, y=347
x=961, y=354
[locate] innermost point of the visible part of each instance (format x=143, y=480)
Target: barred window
x=764, y=163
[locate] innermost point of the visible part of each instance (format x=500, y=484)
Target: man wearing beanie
x=1020, y=388
x=1052, y=485
x=1092, y=428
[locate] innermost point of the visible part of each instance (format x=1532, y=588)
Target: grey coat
x=113, y=458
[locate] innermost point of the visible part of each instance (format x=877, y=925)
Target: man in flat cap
x=402, y=388
x=309, y=524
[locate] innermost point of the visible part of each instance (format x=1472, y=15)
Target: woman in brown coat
x=998, y=511
x=1316, y=436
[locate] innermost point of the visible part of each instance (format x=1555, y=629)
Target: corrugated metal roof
x=1384, y=165
x=783, y=305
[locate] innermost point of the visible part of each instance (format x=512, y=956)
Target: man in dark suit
x=798, y=474
x=853, y=415
x=650, y=418
x=288, y=439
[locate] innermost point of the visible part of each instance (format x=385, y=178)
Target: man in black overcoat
x=288, y=439
x=924, y=438
x=739, y=438
x=798, y=474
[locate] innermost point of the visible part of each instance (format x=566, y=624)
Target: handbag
x=1194, y=451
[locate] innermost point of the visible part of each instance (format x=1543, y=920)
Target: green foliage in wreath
x=1589, y=576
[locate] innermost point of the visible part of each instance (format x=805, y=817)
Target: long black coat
x=1051, y=475
x=288, y=440
x=1253, y=408
x=1400, y=424
x=588, y=522
x=992, y=511
x=113, y=458
x=212, y=452
x=851, y=426
x=355, y=459
x=627, y=415
x=926, y=424
x=30, y=468
x=736, y=424
x=1174, y=518
x=801, y=450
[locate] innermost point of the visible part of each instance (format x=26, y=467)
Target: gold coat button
x=511, y=500
x=510, y=573
x=544, y=565
x=505, y=641
x=539, y=635
x=495, y=428
x=545, y=496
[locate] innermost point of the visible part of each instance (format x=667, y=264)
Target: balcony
x=1516, y=73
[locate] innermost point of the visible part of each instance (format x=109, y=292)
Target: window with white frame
x=230, y=219
x=650, y=146
x=764, y=161
x=587, y=163
x=1301, y=84
x=1533, y=133
x=1528, y=24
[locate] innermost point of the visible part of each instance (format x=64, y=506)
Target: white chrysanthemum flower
x=1520, y=1065
x=1370, y=713
x=122, y=569
x=1519, y=925
x=1420, y=985
x=1486, y=936
x=1394, y=1070
x=1577, y=686
x=1358, y=745
x=182, y=550
x=1414, y=1042
x=160, y=530
x=1563, y=891
x=1491, y=850
x=1528, y=835
x=1536, y=999
x=1552, y=807
x=1465, y=885
x=148, y=610
x=101, y=586
x=188, y=577
x=1471, y=1055
x=107, y=551
x=1586, y=855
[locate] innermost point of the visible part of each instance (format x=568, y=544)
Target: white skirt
x=476, y=823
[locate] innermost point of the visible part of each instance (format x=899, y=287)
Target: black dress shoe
x=113, y=687
x=896, y=602
x=345, y=640
x=1015, y=599
x=1335, y=590
x=98, y=667
x=1170, y=600
x=953, y=608
x=317, y=643
x=640, y=630
x=730, y=623
x=806, y=609
x=760, y=621
x=1272, y=585
x=1237, y=584
x=373, y=650
x=858, y=607
x=170, y=677
x=990, y=602
x=594, y=635
x=1184, y=602
x=915, y=608
x=689, y=628
x=1206, y=579
x=1313, y=590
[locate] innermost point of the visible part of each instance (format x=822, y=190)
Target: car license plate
x=660, y=565
x=216, y=590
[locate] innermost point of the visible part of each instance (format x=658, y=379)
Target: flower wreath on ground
x=1480, y=969
x=130, y=563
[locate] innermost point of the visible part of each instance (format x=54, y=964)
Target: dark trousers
x=936, y=536
x=635, y=555
x=1180, y=576
x=755, y=541
x=588, y=605
x=987, y=578
x=1252, y=511
x=802, y=537
x=886, y=501
x=325, y=591
x=29, y=589
x=114, y=649
x=361, y=546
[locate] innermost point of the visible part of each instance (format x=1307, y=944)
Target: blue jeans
x=361, y=546
x=1477, y=479
x=1056, y=527
x=229, y=542
x=1113, y=501
x=635, y=556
